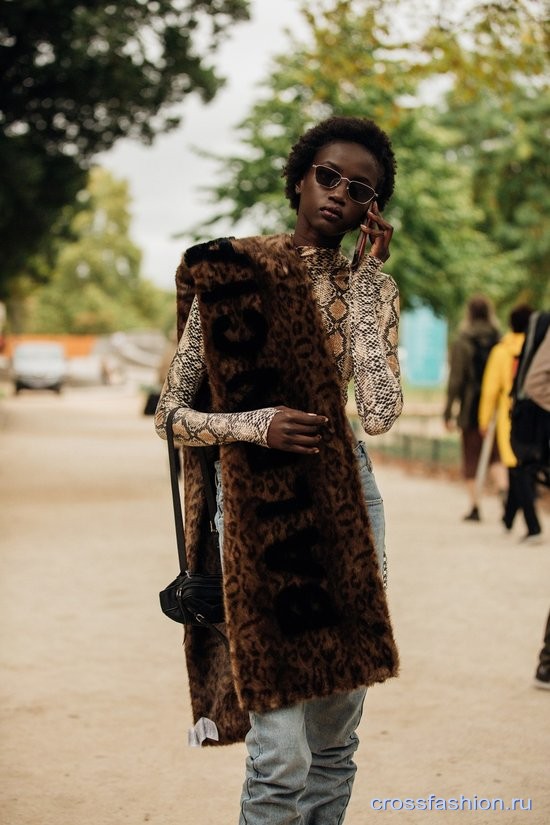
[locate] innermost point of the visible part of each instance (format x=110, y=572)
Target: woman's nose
x=339, y=191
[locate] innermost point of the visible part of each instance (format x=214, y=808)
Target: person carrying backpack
x=477, y=336
x=496, y=397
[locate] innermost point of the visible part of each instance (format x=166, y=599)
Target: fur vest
x=306, y=613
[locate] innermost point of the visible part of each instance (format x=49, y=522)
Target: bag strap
x=176, y=499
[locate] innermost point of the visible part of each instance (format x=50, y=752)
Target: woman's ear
x=298, y=188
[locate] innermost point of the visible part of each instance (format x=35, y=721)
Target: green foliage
x=74, y=78
x=95, y=286
x=469, y=207
x=498, y=108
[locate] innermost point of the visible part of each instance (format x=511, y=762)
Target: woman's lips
x=331, y=213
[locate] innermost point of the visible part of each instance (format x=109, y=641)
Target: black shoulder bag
x=193, y=598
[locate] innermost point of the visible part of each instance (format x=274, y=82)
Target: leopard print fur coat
x=306, y=613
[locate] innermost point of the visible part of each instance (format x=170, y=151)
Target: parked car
x=38, y=365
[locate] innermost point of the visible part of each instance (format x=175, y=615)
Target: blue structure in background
x=423, y=347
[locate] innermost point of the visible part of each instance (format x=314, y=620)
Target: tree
x=499, y=111
x=96, y=285
x=77, y=76
x=354, y=63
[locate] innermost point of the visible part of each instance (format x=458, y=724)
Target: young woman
x=273, y=329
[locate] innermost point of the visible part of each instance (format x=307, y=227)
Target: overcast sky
x=164, y=178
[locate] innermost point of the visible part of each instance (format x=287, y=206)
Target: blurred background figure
x=530, y=418
x=495, y=398
x=537, y=388
x=154, y=392
x=537, y=380
x=166, y=358
x=477, y=335
x=164, y=362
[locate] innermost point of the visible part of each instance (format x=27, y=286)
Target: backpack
x=530, y=424
x=482, y=348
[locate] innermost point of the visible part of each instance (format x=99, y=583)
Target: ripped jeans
x=300, y=768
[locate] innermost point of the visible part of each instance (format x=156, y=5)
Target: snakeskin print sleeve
x=199, y=429
x=374, y=299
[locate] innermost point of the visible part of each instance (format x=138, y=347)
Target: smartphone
x=361, y=243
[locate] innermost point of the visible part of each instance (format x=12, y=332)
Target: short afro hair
x=353, y=129
x=519, y=317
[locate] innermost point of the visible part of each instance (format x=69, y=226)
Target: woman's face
x=325, y=215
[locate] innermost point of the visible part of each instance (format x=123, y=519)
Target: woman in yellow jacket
x=495, y=398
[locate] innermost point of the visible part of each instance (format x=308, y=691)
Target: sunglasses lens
x=360, y=192
x=327, y=177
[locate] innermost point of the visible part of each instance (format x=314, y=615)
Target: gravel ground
x=94, y=696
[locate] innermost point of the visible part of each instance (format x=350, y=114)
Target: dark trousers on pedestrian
x=521, y=496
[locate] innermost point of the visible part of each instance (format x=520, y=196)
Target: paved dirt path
x=94, y=696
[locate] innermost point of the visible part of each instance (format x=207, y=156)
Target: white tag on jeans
x=204, y=729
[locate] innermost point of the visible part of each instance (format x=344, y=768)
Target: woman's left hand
x=379, y=232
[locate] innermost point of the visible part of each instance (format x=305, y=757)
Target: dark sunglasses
x=330, y=179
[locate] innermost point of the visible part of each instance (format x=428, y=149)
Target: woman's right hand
x=295, y=431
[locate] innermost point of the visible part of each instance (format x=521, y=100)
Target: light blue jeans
x=300, y=768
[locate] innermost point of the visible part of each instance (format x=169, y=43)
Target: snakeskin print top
x=360, y=311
